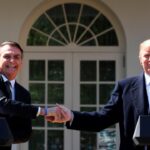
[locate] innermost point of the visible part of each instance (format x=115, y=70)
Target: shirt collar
x=11, y=81
x=147, y=79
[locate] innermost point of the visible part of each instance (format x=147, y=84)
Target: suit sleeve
x=98, y=120
x=16, y=108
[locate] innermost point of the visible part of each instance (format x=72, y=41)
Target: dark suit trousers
x=5, y=147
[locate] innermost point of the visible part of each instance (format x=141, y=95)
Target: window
x=74, y=23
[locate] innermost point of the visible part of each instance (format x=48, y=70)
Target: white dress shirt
x=147, y=82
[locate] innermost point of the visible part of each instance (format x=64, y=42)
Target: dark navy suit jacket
x=127, y=102
x=18, y=113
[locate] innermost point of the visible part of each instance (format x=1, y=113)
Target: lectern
x=142, y=131
x=6, y=137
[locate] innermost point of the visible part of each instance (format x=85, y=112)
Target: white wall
x=134, y=16
x=12, y=16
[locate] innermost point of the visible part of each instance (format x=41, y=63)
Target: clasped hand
x=58, y=114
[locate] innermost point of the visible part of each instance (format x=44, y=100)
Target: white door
x=80, y=81
x=48, y=77
x=94, y=76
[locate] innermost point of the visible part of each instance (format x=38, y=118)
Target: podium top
x=141, y=134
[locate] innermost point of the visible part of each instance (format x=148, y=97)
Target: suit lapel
x=140, y=96
x=18, y=95
x=3, y=91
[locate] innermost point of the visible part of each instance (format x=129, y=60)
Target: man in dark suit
x=129, y=99
x=15, y=100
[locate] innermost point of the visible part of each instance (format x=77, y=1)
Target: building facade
x=75, y=50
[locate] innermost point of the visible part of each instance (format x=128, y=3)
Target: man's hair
x=13, y=44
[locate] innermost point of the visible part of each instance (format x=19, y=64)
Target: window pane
x=37, y=91
x=36, y=70
x=36, y=38
x=88, y=140
x=79, y=33
x=104, y=92
x=89, y=43
x=88, y=71
x=107, y=70
x=71, y=11
x=55, y=140
x=56, y=70
x=57, y=15
x=101, y=24
x=107, y=139
x=109, y=38
x=43, y=24
x=53, y=42
x=64, y=30
x=72, y=31
x=88, y=93
x=57, y=36
x=86, y=37
x=55, y=93
x=37, y=140
x=88, y=14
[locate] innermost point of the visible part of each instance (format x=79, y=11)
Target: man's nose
x=12, y=58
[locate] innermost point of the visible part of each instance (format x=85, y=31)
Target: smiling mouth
x=11, y=67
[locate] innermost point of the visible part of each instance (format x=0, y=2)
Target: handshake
x=57, y=114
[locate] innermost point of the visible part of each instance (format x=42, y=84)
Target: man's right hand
x=59, y=114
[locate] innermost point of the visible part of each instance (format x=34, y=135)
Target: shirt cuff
x=72, y=118
x=39, y=110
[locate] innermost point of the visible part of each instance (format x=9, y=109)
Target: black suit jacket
x=20, y=126
x=18, y=113
x=128, y=100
